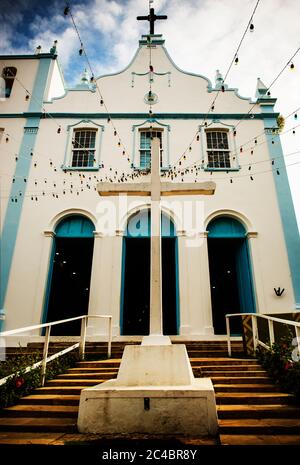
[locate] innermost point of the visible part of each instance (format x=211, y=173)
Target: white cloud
x=201, y=36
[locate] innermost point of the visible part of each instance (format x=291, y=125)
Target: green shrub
x=283, y=370
x=22, y=384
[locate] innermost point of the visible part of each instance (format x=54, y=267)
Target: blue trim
x=225, y=227
x=245, y=279
x=39, y=86
x=143, y=116
x=165, y=141
x=66, y=166
x=177, y=287
x=18, y=188
x=48, y=285
x=122, y=284
x=75, y=226
x=286, y=207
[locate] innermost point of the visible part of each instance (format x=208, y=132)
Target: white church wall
x=254, y=200
x=26, y=72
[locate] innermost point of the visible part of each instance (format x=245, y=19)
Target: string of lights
x=292, y=66
x=78, y=190
x=235, y=59
x=82, y=51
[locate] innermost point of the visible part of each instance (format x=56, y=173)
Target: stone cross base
x=155, y=393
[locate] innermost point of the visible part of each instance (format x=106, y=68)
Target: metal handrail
x=46, y=359
x=256, y=340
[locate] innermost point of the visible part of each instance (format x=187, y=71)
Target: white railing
x=256, y=340
x=48, y=326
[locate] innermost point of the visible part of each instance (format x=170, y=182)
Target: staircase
x=251, y=410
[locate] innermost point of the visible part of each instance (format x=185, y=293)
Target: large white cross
x=156, y=188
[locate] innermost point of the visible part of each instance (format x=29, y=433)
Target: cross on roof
x=155, y=188
x=152, y=17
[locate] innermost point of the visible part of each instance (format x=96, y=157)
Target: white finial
x=38, y=49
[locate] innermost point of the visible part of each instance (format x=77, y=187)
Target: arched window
x=8, y=74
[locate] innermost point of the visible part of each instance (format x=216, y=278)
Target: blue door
x=230, y=272
x=135, y=292
x=70, y=267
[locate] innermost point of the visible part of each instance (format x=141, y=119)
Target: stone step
x=257, y=388
x=258, y=411
x=109, y=371
x=95, y=375
x=100, y=363
x=50, y=399
x=226, y=367
x=65, y=425
x=240, y=380
x=260, y=440
x=259, y=426
x=35, y=410
x=74, y=382
x=230, y=374
x=60, y=390
x=206, y=361
x=264, y=398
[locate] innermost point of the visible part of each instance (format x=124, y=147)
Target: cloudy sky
x=201, y=36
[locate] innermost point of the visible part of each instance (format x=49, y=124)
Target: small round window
x=150, y=98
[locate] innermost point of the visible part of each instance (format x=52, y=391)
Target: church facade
x=66, y=251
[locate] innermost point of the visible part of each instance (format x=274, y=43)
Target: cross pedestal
x=155, y=391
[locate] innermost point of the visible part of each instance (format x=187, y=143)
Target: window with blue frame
x=84, y=148
x=145, y=147
x=218, y=153
x=8, y=74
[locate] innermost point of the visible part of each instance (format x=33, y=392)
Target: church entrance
x=135, y=298
x=69, y=274
x=230, y=273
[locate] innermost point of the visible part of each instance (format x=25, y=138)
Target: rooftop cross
x=152, y=17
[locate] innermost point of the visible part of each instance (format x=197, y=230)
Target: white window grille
x=84, y=148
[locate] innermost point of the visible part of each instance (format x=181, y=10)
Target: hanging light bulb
x=241, y=149
x=115, y=132
x=66, y=10
x=151, y=68
x=292, y=66
x=108, y=119
x=278, y=172
x=7, y=139
x=81, y=49
x=251, y=177
x=101, y=102
x=212, y=108
x=223, y=88
x=27, y=97
x=236, y=60
x=234, y=133
x=59, y=130
x=295, y=116
x=251, y=27
x=198, y=137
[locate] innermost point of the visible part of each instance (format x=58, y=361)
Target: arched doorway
x=135, y=293
x=69, y=273
x=230, y=272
